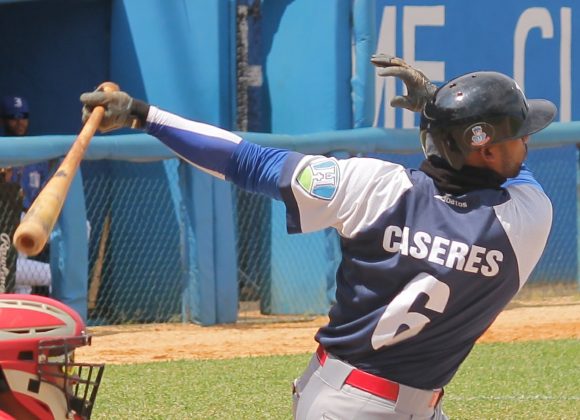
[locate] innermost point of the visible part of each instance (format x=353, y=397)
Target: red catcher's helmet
x=38, y=337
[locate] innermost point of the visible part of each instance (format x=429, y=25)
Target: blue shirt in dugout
x=32, y=179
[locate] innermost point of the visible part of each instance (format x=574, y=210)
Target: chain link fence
x=135, y=270
x=141, y=274
x=11, y=199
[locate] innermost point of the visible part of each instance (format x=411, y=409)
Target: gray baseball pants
x=321, y=393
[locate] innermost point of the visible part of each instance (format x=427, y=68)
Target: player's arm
x=322, y=192
x=318, y=192
x=527, y=220
x=280, y=174
x=216, y=151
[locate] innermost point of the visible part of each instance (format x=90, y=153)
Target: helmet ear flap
x=452, y=153
x=443, y=145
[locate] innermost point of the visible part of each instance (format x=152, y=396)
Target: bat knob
x=109, y=87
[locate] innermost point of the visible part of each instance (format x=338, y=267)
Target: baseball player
x=32, y=274
x=430, y=257
x=15, y=116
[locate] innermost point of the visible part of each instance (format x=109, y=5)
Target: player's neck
x=457, y=182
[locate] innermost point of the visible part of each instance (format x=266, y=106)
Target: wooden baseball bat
x=96, y=276
x=34, y=229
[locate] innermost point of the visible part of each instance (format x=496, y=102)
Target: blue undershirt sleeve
x=524, y=177
x=257, y=169
x=221, y=153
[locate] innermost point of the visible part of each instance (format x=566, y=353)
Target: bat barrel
x=32, y=234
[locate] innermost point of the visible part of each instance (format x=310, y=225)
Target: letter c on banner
x=534, y=17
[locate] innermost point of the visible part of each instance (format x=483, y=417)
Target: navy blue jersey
x=423, y=273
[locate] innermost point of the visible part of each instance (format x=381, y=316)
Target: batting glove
x=121, y=110
x=419, y=87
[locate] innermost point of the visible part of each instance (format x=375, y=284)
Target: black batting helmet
x=478, y=109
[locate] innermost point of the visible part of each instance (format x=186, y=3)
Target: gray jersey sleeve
x=345, y=194
x=526, y=219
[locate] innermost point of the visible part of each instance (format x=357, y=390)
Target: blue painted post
x=180, y=61
x=69, y=251
x=365, y=34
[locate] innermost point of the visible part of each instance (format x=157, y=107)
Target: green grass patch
x=531, y=380
x=527, y=380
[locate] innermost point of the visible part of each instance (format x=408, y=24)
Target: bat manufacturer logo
x=4, y=270
x=320, y=179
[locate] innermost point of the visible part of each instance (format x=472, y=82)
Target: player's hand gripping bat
x=121, y=110
x=34, y=229
x=419, y=87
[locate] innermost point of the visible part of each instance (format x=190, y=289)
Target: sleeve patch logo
x=320, y=179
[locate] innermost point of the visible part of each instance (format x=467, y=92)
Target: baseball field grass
x=524, y=380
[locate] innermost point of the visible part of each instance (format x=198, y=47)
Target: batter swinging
x=430, y=257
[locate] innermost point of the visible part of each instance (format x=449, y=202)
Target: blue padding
x=364, y=33
x=176, y=55
x=199, y=258
x=210, y=229
x=142, y=147
x=225, y=253
x=69, y=251
x=17, y=151
x=306, y=49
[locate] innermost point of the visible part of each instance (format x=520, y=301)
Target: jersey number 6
x=398, y=318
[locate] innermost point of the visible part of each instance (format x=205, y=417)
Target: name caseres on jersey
x=442, y=251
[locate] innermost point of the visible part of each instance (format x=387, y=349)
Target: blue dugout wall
x=175, y=54
x=316, y=78
x=555, y=147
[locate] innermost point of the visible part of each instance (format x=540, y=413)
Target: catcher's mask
x=478, y=109
x=38, y=338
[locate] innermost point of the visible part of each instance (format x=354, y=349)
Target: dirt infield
x=259, y=337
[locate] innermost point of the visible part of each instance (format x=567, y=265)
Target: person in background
x=32, y=178
x=15, y=119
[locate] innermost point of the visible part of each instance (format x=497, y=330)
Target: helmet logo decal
x=479, y=137
x=479, y=134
